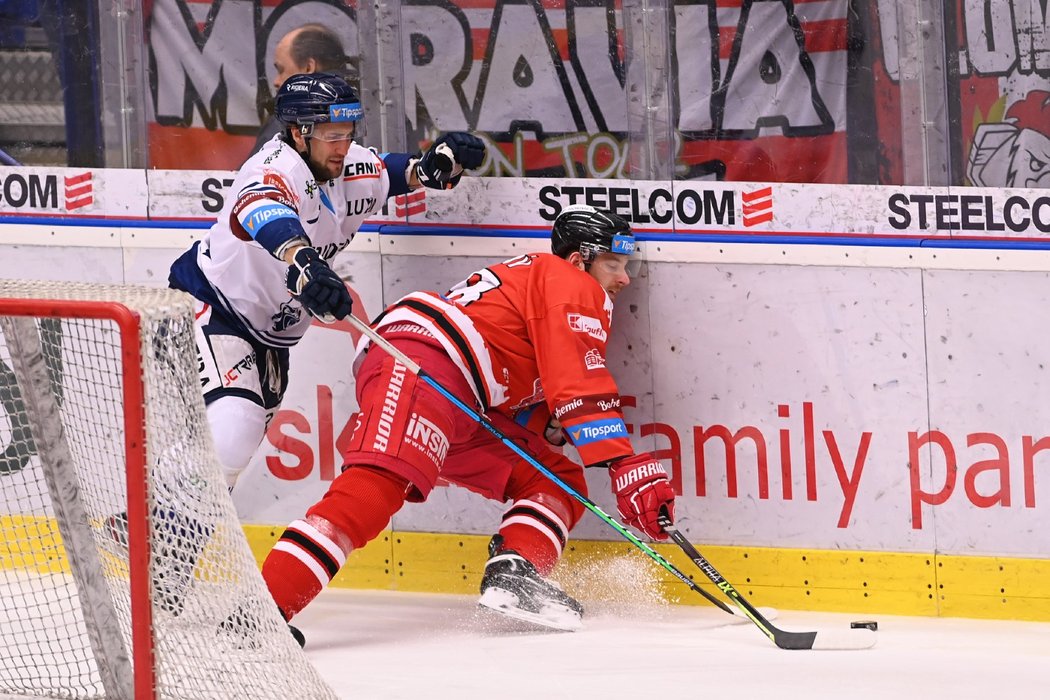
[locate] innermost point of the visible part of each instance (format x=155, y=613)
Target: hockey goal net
x=124, y=572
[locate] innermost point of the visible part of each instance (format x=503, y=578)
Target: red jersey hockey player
x=525, y=340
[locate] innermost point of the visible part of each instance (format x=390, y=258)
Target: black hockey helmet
x=591, y=231
x=306, y=99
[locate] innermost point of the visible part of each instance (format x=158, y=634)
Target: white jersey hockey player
x=262, y=271
x=279, y=203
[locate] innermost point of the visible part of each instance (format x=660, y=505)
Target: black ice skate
x=244, y=626
x=512, y=586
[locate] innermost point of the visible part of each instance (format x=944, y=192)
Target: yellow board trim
x=32, y=544
x=891, y=583
x=795, y=579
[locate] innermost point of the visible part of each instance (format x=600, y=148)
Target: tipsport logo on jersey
x=586, y=433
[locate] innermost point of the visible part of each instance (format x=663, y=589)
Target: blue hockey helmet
x=306, y=99
x=591, y=231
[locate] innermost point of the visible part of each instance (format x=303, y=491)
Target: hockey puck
x=864, y=624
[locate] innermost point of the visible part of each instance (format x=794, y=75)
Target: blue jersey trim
x=396, y=165
x=277, y=232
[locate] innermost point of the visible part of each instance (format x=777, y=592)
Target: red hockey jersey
x=527, y=331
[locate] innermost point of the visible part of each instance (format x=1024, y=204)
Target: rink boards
x=847, y=383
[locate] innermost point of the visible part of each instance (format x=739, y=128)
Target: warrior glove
x=643, y=493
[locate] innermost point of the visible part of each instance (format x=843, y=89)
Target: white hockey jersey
x=242, y=277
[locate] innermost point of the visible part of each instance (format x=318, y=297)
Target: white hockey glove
x=442, y=166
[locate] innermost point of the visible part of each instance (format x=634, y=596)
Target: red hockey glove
x=642, y=493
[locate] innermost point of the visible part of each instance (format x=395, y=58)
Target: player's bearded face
x=328, y=146
x=610, y=269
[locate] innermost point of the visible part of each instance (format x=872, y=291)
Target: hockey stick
x=861, y=638
x=590, y=505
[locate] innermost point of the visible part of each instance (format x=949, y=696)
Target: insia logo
x=410, y=204
x=758, y=206
x=78, y=191
x=587, y=324
x=597, y=430
x=594, y=360
x=426, y=437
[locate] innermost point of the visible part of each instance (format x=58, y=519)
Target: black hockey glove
x=317, y=287
x=443, y=164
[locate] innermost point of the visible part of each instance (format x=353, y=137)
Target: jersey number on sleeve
x=470, y=290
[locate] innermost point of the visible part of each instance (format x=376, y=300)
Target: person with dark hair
x=310, y=48
x=525, y=342
x=261, y=273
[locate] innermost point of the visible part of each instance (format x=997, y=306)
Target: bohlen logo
x=410, y=204
x=758, y=206
x=79, y=191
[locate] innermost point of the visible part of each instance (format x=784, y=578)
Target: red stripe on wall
x=196, y=148
x=825, y=35
x=479, y=38
x=820, y=36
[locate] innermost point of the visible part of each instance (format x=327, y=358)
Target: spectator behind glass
x=311, y=48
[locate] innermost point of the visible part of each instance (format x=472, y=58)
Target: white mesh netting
x=216, y=633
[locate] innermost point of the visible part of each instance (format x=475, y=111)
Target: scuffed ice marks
x=622, y=586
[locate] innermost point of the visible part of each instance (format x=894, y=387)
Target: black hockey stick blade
x=862, y=638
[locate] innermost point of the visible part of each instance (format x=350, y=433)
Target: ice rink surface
x=370, y=644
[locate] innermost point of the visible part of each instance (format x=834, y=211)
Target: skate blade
x=555, y=617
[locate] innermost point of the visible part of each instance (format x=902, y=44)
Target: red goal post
x=124, y=572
